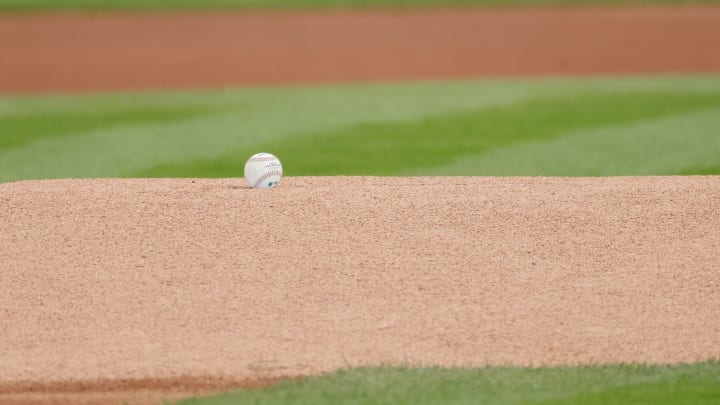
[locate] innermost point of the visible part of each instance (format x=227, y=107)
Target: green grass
x=573, y=127
x=693, y=384
x=431, y=145
x=227, y=4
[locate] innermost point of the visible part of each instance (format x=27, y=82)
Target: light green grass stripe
x=683, y=144
x=366, y=93
x=614, y=384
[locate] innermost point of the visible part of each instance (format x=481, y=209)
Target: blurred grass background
x=567, y=127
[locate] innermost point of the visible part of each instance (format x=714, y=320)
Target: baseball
x=263, y=170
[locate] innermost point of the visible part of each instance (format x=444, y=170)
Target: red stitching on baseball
x=262, y=159
x=267, y=176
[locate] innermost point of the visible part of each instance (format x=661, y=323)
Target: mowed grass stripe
x=399, y=129
x=231, y=120
x=432, y=145
x=613, y=384
x=679, y=144
x=701, y=170
x=22, y=130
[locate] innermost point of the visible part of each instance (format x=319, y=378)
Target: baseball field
x=512, y=202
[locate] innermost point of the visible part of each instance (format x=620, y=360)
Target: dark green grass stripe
x=614, y=384
x=20, y=130
x=684, y=391
x=702, y=170
x=396, y=148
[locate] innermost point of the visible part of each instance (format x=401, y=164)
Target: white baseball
x=263, y=170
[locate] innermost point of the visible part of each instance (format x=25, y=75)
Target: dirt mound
x=106, y=285
x=65, y=52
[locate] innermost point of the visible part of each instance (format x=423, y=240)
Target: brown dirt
x=113, y=287
x=120, y=391
x=43, y=53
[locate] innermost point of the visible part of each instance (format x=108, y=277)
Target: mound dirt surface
x=65, y=52
x=136, y=290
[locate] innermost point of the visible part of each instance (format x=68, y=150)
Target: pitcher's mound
x=125, y=283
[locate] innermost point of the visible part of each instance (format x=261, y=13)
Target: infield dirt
x=174, y=286
x=86, y=52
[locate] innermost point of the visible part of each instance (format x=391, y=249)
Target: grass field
x=683, y=384
x=205, y=4
x=573, y=127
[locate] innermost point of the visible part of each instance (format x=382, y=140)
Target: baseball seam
x=267, y=176
x=262, y=159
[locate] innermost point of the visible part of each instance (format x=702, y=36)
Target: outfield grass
x=574, y=127
x=227, y=4
x=694, y=384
